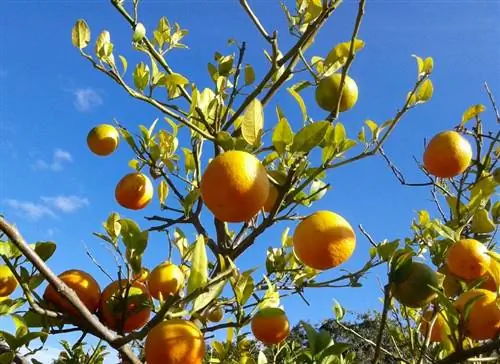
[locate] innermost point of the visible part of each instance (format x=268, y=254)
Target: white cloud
x=47, y=207
x=33, y=211
x=66, y=203
x=59, y=158
x=86, y=99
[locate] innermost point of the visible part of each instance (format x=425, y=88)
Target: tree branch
x=460, y=356
x=85, y=315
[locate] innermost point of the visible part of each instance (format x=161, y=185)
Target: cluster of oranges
x=447, y=155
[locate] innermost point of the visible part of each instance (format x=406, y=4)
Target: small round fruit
x=324, y=240
x=139, y=32
x=468, y=259
x=440, y=329
x=175, y=341
x=103, y=139
x=447, y=155
x=235, y=186
x=215, y=314
x=483, y=321
x=112, y=302
x=328, y=89
x=8, y=283
x=134, y=191
x=271, y=198
x=166, y=279
x=413, y=289
x=270, y=326
x=83, y=284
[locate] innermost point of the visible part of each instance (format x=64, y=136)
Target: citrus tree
x=210, y=152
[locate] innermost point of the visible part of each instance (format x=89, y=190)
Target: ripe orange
x=103, y=139
x=492, y=281
x=440, y=329
x=270, y=325
x=175, y=341
x=85, y=287
x=112, y=308
x=215, y=314
x=134, y=191
x=166, y=279
x=324, y=240
x=271, y=198
x=484, y=316
x=8, y=282
x=235, y=186
x=467, y=259
x=327, y=93
x=447, y=155
x=413, y=288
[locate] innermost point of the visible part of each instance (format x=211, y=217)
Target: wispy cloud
x=86, y=99
x=66, y=204
x=47, y=206
x=32, y=211
x=59, y=158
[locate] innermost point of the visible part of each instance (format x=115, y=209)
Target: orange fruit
x=492, y=277
x=103, y=139
x=166, y=279
x=270, y=326
x=8, y=282
x=134, y=191
x=112, y=304
x=440, y=329
x=85, y=287
x=175, y=341
x=467, y=259
x=483, y=321
x=324, y=240
x=271, y=198
x=447, y=155
x=215, y=314
x=235, y=186
x=328, y=89
x=413, y=287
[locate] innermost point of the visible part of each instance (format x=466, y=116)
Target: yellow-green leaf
x=141, y=76
x=249, y=75
x=80, y=35
x=339, y=133
x=282, y=136
x=472, y=112
x=428, y=65
x=309, y=136
x=134, y=164
x=420, y=64
x=300, y=101
x=425, y=91
x=162, y=191
x=253, y=122
x=199, y=266
x=189, y=163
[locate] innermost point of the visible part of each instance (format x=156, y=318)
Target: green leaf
x=135, y=241
x=253, y=123
x=309, y=137
x=112, y=225
x=206, y=298
x=199, y=266
x=339, y=133
x=472, y=112
x=162, y=191
x=45, y=249
x=9, y=339
x=373, y=128
x=33, y=319
x=128, y=138
x=335, y=350
x=244, y=287
x=80, y=35
x=9, y=250
x=425, y=91
x=386, y=249
x=35, y=281
x=190, y=199
x=30, y=336
x=249, y=75
x=20, y=325
x=428, y=65
x=420, y=64
x=8, y=305
x=282, y=136
x=317, y=185
x=300, y=101
x=189, y=163
x=338, y=310
x=124, y=64
x=225, y=140
x=7, y=357
x=141, y=76
x=311, y=337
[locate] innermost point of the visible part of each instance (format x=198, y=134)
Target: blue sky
x=53, y=188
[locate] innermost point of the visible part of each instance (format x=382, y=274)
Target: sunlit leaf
x=282, y=136
x=162, y=191
x=309, y=137
x=253, y=122
x=80, y=35
x=425, y=91
x=249, y=75
x=199, y=266
x=472, y=112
